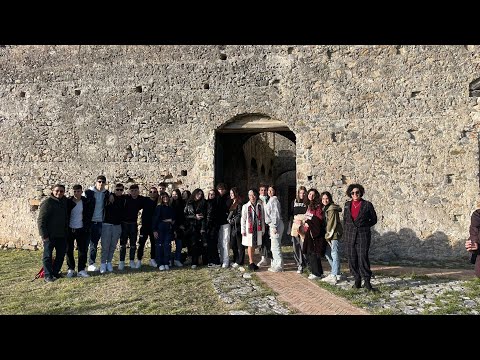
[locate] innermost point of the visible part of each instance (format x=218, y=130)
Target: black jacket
x=53, y=218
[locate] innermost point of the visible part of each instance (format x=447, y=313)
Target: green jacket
x=52, y=219
x=334, y=229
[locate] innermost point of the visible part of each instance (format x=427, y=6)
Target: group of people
x=210, y=228
x=316, y=230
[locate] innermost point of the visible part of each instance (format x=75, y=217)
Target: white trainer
x=103, y=268
x=109, y=267
x=178, y=263
x=167, y=267
x=132, y=264
x=225, y=265
x=153, y=263
x=194, y=266
x=331, y=279
x=92, y=268
x=138, y=264
x=83, y=274
x=161, y=268
x=235, y=265
x=121, y=265
x=263, y=262
x=70, y=273
x=312, y=277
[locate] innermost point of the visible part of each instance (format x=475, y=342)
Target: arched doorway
x=251, y=149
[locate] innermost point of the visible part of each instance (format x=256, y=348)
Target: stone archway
x=253, y=148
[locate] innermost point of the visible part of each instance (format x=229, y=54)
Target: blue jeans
x=333, y=256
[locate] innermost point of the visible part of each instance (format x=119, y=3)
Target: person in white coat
x=273, y=218
x=253, y=225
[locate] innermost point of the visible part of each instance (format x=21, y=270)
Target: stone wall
x=398, y=119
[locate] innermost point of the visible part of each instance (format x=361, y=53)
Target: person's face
x=153, y=193
x=271, y=192
x=77, y=194
x=263, y=191
x=185, y=195
x=325, y=200
x=165, y=199
x=118, y=191
x=301, y=194
x=134, y=193
x=211, y=194
x=355, y=193
x=199, y=196
x=311, y=195
x=161, y=189
x=58, y=192
x=174, y=195
x=252, y=197
x=232, y=195
x=100, y=185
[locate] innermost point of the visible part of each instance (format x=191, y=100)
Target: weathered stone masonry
x=398, y=119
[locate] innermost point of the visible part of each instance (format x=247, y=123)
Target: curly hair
x=315, y=203
x=353, y=186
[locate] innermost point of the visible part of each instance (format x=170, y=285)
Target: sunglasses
x=153, y=192
x=355, y=193
x=118, y=189
x=100, y=181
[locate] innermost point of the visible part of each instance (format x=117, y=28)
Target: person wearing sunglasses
x=359, y=217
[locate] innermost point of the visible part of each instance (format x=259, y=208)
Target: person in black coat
x=359, y=217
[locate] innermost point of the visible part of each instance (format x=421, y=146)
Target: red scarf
x=251, y=214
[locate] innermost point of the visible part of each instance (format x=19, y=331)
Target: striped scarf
x=258, y=218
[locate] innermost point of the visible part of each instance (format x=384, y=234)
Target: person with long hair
x=233, y=218
x=273, y=217
x=298, y=216
x=195, y=224
x=359, y=217
x=252, y=225
x=162, y=226
x=333, y=233
x=314, y=232
x=178, y=206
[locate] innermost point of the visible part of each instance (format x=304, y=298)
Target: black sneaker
x=49, y=279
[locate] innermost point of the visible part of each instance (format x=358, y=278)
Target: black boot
x=357, y=284
x=368, y=286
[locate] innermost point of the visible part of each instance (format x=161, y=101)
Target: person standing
x=333, y=233
x=359, y=217
x=233, y=218
x=112, y=228
x=252, y=225
x=195, y=224
x=53, y=228
x=472, y=243
x=162, y=225
x=224, y=226
x=265, y=248
x=212, y=229
x=97, y=197
x=178, y=206
x=149, y=205
x=80, y=217
x=273, y=218
x=298, y=216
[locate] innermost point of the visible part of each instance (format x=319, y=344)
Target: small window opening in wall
x=456, y=217
x=334, y=137
x=474, y=88
x=344, y=180
x=290, y=49
x=329, y=54
x=77, y=92
x=449, y=178
x=223, y=56
x=414, y=94
x=22, y=93
x=138, y=89
x=309, y=177
x=184, y=172
x=206, y=86
x=410, y=133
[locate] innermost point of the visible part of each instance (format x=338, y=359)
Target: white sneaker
x=178, y=263
x=138, y=264
x=132, y=264
x=225, y=265
x=83, y=274
x=121, y=265
x=194, y=266
x=235, y=265
x=153, y=263
x=70, y=273
x=312, y=277
x=167, y=267
x=92, y=268
x=103, y=268
x=109, y=267
x=263, y=262
x=331, y=279
x=161, y=268
x=275, y=269
x=341, y=277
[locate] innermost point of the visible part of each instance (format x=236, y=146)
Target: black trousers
x=358, y=261
x=212, y=246
x=145, y=233
x=59, y=244
x=265, y=248
x=81, y=236
x=315, y=264
x=237, y=247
